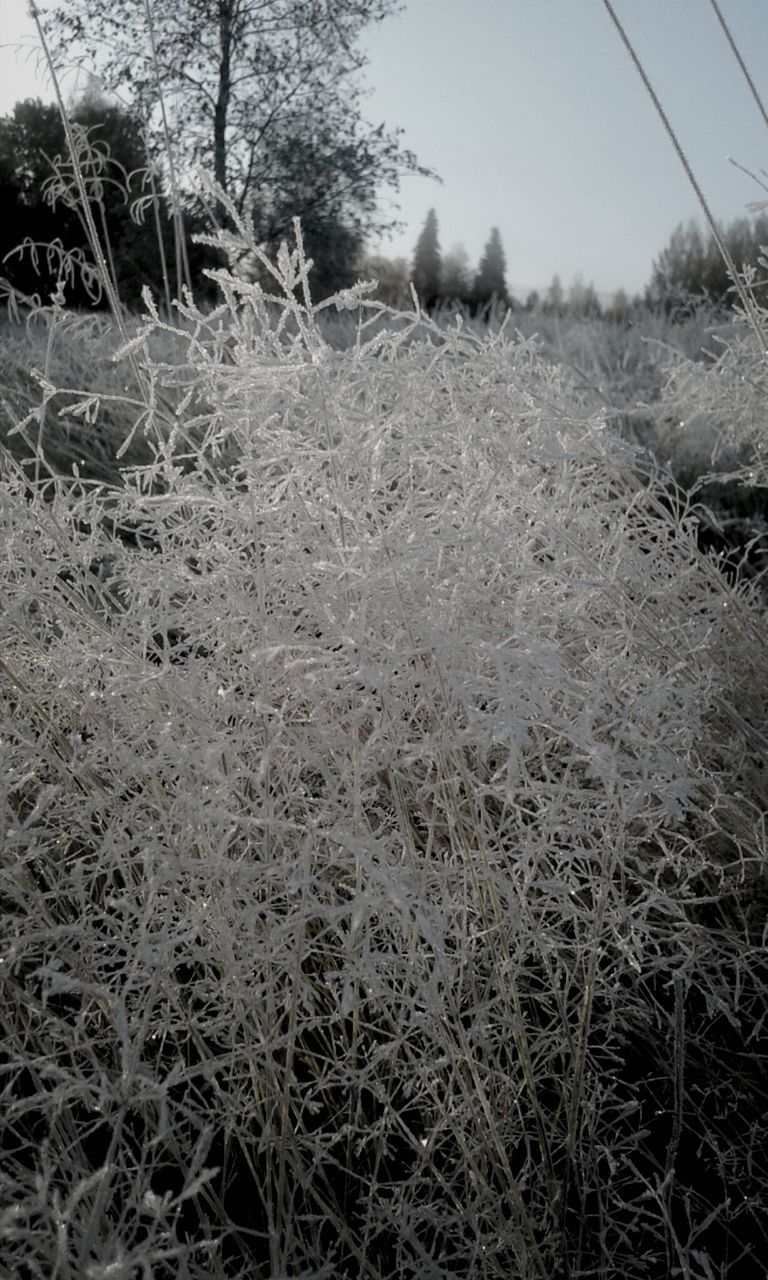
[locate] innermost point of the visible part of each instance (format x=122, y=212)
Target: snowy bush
x=716, y=409
x=382, y=826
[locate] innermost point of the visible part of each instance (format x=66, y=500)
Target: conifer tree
x=427, y=262
x=490, y=283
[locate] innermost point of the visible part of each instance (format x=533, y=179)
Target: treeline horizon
x=44, y=242
x=688, y=272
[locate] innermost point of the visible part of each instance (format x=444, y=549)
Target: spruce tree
x=427, y=262
x=490, y=284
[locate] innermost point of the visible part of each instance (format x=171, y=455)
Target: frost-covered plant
x=718, y=408
x=46, y=421
x=708, y=424
x=380, y=814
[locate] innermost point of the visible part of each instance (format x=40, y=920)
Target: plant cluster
x=382, y=843
x=383, y=865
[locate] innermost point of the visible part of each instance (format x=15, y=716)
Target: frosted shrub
x=715, y=411
x=59, y=382
x=379, y=806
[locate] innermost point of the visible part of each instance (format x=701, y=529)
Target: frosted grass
x=380, y=778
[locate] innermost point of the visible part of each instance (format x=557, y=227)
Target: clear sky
x=537, y=122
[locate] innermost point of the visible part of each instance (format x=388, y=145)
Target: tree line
x=688, y=272
x=691, y=267
x=448, y=280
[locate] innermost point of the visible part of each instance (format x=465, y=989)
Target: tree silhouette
x=41, y=204
x=332, y=235
x=490, y=284
x=266, y=95
x=427, y=262
x=691, y=267
x=583, y=300
x=619, y=309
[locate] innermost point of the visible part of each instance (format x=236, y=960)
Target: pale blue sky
x=537, y=122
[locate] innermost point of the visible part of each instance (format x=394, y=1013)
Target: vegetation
x=427, y=266
x=267, y=97
x=489, y=284
x=440, y=282
x=44, y=239
x=382, y=843
x=455, y=276
x=327, y=932
x=692, y=266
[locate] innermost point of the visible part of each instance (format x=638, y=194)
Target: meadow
x=382, y=800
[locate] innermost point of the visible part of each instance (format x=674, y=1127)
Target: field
x=382, y=795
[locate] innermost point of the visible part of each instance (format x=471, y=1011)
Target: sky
x=537, y=122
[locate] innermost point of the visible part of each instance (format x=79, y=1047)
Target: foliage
x=691, y=266
x=709, y=412
x=332, y=238
x=583, y=300
x=620, y=309
x=265, y=95
x=392, y=277
x=44, y=237
x=383, y=865
x=554, y=300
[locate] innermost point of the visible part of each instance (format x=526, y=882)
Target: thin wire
x=744, y=297
x=740, y=60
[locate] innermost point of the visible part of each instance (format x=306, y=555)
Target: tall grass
x=381, y=815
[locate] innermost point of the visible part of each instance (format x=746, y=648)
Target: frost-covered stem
x=93, y=235
x=737, y=55
x=183, y=273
